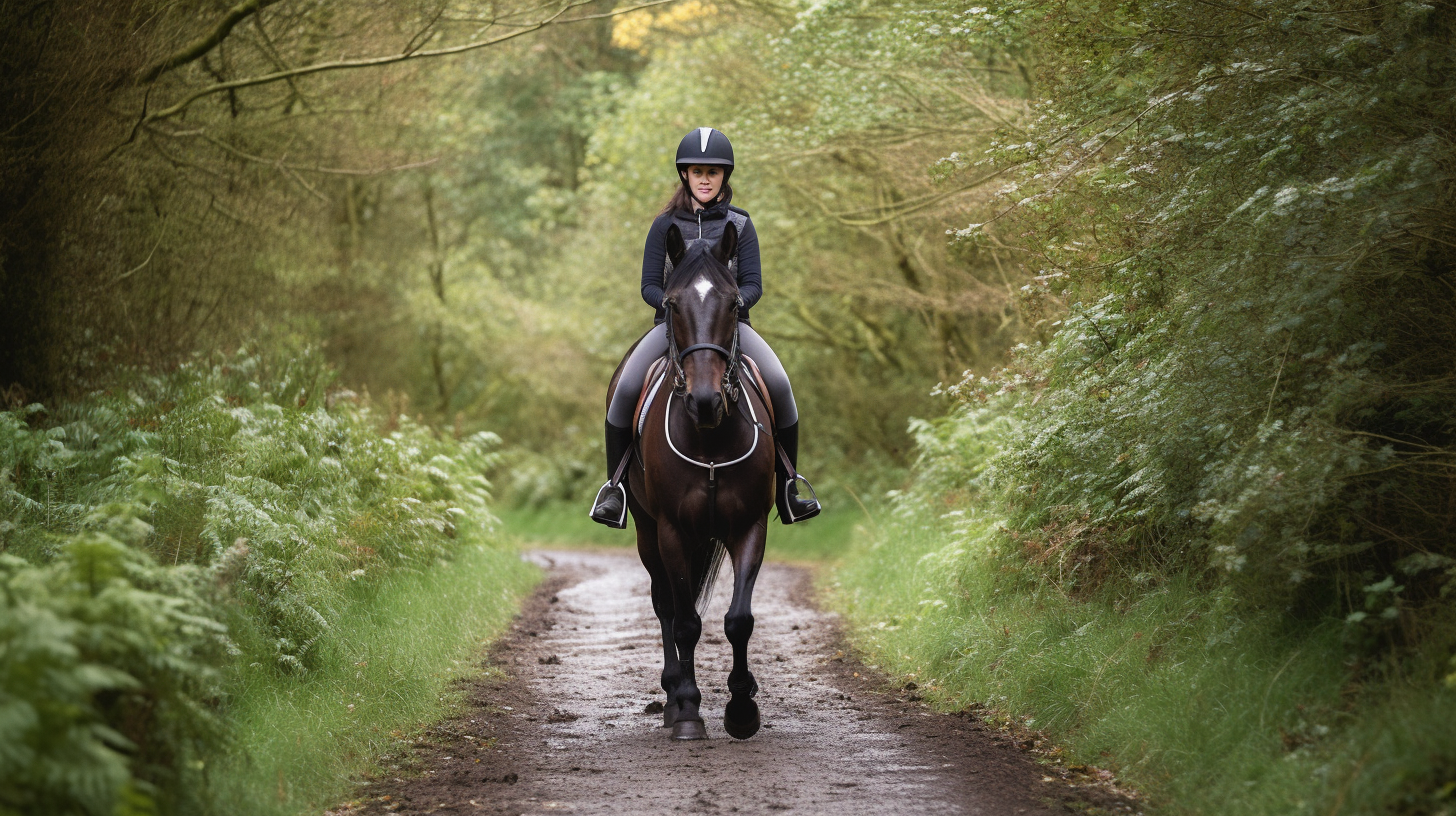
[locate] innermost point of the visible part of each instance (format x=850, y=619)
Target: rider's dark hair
x=683, y=200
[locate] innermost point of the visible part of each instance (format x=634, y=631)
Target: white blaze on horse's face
x=703, y=287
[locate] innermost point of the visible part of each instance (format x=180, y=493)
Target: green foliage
x=1244, y=219
x=289, y=494
x=108, y=675
x=392, y=663
x=1203, y=705
x=1204, y=702
x=146, y=215
x=1200, y=529
x=234, y=490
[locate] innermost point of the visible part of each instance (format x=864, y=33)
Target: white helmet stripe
x=703, y=134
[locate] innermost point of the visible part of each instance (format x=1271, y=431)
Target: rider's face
x=705, y=180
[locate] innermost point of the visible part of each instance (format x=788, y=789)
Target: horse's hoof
x=689, y=730
x=740, y=719
x=669, y=715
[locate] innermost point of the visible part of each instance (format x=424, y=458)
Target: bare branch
x=374, y=62
x=425, y=34
x=200, y=46
x=279, y=163
x=293, y=174
x=135, y=128
x=265, y=45
x=881, y=213
x=143, y=265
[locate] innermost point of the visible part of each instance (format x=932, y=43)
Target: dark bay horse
x=705, y=474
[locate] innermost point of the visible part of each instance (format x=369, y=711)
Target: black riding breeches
x=654, y=345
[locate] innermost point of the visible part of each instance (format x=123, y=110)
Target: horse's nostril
x=706, y=409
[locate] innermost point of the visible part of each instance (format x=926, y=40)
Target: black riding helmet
x=704, y=146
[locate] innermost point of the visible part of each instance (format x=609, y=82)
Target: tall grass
x=391, y=665
x=1209, y=706
x=561, y=524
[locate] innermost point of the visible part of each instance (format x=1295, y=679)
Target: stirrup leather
x=621, y=521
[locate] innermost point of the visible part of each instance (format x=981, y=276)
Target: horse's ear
x=728, y=244
x=676, y=247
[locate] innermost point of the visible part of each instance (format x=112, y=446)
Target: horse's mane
x=699, y=260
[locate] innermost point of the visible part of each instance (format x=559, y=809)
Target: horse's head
x=702, y=308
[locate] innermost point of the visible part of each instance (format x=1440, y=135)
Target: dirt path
x=565, y=727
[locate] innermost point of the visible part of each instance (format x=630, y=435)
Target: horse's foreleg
x=647, y=550
x=672, y=674
x=687, y=627
x=740, y=719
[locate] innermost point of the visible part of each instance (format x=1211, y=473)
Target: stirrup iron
x=813, y=500
x=619, y=523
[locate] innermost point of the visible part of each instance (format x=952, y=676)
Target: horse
x=704, y=481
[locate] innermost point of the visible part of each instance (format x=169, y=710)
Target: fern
x=134, y=521
x=108, y=677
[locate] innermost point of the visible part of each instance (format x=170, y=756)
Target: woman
x=701, y=209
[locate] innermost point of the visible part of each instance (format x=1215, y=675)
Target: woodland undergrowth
x=1194, y=693
x=1201, y=528
x=181, y=543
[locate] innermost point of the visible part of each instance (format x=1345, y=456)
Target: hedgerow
x=138, y=520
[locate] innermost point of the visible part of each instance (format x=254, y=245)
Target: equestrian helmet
x=706, y=145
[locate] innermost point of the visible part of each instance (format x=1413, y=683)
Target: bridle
x=733, y=354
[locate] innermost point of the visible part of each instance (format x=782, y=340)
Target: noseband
x=733, y=354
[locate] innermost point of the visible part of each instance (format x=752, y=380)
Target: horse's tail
x=708, y=573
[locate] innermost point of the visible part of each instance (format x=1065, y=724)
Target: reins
x=712, y=467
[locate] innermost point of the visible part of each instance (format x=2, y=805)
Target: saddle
x=657, y=374
x=652, y=384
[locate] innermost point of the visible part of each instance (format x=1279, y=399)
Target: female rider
x=701, y=209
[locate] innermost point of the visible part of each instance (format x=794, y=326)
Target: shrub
x=108, y=675
x=230, y=489
x=1244, y=220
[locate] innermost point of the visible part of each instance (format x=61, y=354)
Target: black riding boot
x=610, y=507
x=792, y=507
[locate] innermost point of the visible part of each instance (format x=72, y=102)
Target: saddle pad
x=644, y=398
x=762, y=389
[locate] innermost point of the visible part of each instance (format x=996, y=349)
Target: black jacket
x=707, y=223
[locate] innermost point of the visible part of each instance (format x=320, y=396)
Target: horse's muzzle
x=705, y=408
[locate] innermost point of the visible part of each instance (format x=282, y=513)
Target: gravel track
x=565, y=726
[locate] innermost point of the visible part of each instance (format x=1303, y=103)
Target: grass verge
x=390, y=665
x=1205, y=706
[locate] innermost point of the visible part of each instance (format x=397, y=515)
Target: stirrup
x=813, y=501
x=619, y=523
